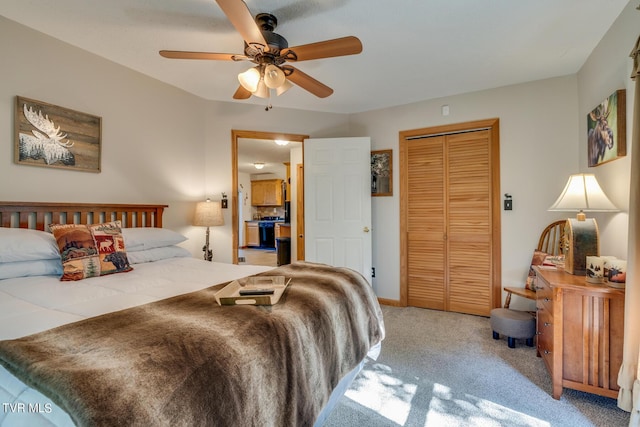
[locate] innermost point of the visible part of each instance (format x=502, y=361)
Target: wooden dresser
x=580, y=332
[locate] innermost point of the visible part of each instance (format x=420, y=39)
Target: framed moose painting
x=607, y=130
x=56, y=137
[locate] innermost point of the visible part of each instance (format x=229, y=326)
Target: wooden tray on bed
x=230, y=294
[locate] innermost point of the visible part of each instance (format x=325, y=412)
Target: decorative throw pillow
x=537, y=259
x=90, y=250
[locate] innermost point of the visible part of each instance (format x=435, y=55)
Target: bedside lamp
x=208, y=214
x=581, y=194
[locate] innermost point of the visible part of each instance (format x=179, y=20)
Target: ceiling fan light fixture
x=283, y=87
x=270, y=52
x=281, y=142
x=258, y=165
x=250, y=79
x=263, y=90
x=273, y=76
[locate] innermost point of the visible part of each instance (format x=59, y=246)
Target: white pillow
x=22, y=244
x=41, y=267
x=156, y=254
x=142, y=238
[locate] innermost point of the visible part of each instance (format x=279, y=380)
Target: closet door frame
x=493, y=126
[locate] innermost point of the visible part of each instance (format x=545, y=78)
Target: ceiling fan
x=271, y=54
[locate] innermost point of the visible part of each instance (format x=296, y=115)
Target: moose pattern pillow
x=90, y=250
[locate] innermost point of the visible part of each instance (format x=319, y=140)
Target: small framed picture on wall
x=382, y=173
x=607, y=130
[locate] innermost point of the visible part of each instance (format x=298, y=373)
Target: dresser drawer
x=544, y=293
x=544, y=331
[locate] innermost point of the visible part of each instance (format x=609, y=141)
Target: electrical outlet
x=373, y=272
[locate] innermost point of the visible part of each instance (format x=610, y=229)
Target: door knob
x=366, y=229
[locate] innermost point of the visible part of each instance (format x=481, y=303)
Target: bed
x=146, y=344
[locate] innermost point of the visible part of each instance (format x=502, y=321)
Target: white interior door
x=337, y=192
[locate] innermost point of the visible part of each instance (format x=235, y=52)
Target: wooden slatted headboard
x=38, y=215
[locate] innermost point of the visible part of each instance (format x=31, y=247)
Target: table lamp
x=581, y=194
x=208, y=214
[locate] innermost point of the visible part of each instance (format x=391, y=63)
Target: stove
x=266, y=227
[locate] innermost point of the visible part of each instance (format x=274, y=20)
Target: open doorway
x=247, y=148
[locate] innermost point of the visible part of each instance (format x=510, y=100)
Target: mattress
x=37, y=303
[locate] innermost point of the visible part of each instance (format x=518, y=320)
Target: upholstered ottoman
x=514, y=325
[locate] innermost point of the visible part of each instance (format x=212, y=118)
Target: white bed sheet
x=33, y=304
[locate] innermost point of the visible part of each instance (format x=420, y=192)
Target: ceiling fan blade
x=240, y=16
x=179, y=54
x=326, y=49
x=308, y=83
x=241, y=93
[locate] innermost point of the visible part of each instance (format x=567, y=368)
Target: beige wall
x=607, y=70
x=152, y=134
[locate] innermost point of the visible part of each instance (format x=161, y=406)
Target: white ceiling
x=412, y=49
x=264, y=151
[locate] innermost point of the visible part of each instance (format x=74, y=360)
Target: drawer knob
x=546, y=352
x=547, y=300
x=547, y=324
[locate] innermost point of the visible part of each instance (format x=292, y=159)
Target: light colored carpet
x=445, y=369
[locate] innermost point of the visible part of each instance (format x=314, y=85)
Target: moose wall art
x=606, y=130
x=56, y=137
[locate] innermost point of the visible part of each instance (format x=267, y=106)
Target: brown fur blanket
x=186, y=361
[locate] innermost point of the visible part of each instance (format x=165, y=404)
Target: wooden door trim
x=492, y=125
x=250, y=134
x=300, y=234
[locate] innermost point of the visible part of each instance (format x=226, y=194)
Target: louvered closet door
x=469, y=225
x=426, y=223
x=448, y=222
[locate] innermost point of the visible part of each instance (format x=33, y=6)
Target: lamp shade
x=208, y=214
x=249, y=79
x=283, y=88
x=262, y=90
x=273, y=76
x=583, y=194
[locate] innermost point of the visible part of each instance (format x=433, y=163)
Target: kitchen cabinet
x=267, y=192
x=283, y=230
x=580, y=329
x=252, y=234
